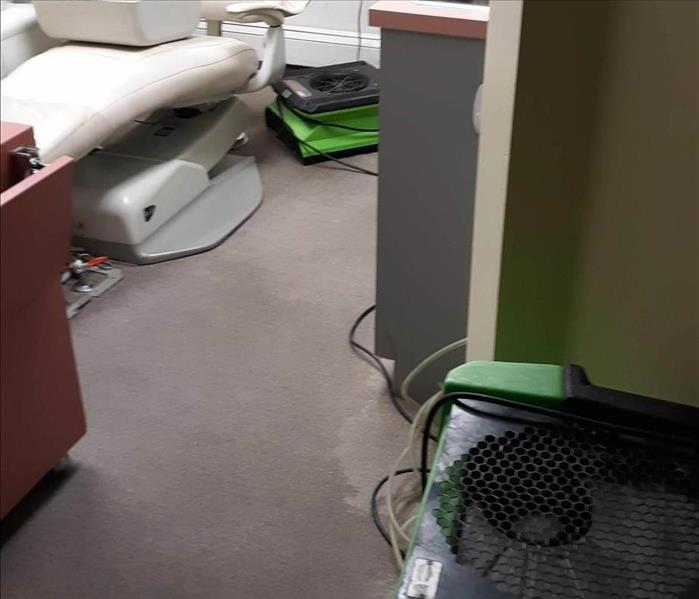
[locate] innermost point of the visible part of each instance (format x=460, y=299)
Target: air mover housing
x=545, y=485
x=331, y=88
x=327, y=111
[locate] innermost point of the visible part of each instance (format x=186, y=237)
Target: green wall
x=600, y=257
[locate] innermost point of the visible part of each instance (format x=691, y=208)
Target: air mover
x=552, y=487
x=327, y=112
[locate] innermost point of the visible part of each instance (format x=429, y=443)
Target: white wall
x=327, y=32
x=500, y=77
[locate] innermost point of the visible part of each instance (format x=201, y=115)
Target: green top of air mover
x=567, y=389
x=541, y=384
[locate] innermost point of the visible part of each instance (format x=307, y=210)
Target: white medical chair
x=147, y=108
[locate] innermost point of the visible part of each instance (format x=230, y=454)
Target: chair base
x=207, y=220
x=152, y=197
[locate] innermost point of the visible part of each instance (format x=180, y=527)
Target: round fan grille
x=339, y=82
x=588, y=517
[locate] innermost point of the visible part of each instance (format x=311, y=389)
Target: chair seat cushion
x=78, y=95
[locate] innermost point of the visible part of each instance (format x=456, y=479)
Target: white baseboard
x=310, y=46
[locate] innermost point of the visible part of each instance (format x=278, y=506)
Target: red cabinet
x=41, y=409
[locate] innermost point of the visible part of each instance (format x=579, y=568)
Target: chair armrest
x=251, y=12
x=273, y=61
x=272, y=12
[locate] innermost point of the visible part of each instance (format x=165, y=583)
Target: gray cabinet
x=427, y=165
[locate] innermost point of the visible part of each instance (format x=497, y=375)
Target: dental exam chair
x=148, y=109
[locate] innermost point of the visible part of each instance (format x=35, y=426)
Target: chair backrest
x=20, y=36
x=121, y=22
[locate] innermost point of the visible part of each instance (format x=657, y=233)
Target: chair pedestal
x=167, y=189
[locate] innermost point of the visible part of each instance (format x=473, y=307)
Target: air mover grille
x=339, y=83
x=326, y=89
x=552, y=512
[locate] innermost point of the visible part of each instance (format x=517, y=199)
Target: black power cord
x=396, y=399
x=375, y=361
x=281, y=106
x=375, y=507
x=354, y=167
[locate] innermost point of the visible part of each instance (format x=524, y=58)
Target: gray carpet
x=233, y=437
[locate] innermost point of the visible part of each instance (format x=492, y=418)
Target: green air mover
x=545, y=485
x=327, y=112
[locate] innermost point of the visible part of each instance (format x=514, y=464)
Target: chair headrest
x=121, y=22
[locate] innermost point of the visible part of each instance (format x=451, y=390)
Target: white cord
x=408, y=380
x=392, y=520
x=416, y=428
x=395, y=547
x=410, y=520
x=401, y=533
x=416, y=431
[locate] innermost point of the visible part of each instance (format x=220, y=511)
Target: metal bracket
x=83, y=283
x=27, y=159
